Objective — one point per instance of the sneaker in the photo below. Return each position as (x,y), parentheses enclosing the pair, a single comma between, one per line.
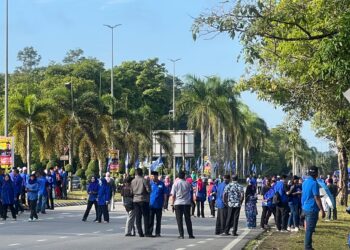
(289,228)
(30,219)
(36,219)
(225,234)
(278,230)
(284,231)
(296,229)
(14,219)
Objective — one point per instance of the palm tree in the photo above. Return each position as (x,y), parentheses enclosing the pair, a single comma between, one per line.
(28,114)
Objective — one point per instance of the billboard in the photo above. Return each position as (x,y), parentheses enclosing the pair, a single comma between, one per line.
(7,158)
(183,143)
(113,160)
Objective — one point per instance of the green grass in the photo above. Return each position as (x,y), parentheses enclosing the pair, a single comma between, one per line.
(82,195)
(328,235)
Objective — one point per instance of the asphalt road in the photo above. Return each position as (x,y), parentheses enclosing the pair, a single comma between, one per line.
(62,228)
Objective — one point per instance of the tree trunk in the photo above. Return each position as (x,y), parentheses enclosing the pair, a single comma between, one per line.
(100,167)
(343,167)
(236,149)
(293,162)
(28,149)
(243,162)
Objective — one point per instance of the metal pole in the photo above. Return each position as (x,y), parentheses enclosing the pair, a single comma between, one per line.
(6,67)
(174,61)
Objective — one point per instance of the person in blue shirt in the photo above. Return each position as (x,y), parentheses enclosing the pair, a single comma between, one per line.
(201,196)
(64,177)
(8,197)
(51,179)
(103,197)
(17,182)
(311,204)
(1,181)
(42,193)
(267,206)
(25,178)
(220,205)
(293,203)
(92,200)
(282,207)
(32,188)
(157,198)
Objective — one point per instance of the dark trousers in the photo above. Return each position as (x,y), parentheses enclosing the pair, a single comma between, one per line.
(193,207)
(180,211)
(102,209)
(18,205)
(212,207)
(142,210)
(221,220)
(88,208)
(64,191)
(157,212)
(23,195)
(200,208)
(32,206)
(232,219)
(5,207)
(282,216)
(49,201)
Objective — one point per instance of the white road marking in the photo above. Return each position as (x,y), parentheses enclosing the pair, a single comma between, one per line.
(109,230)
(180,248)
(2,223)
(50,218)
(122,228)
(15,244)
(191,245)
(42,240)
(63,237)
(210,239)
(118,217)
(66,213)
(201,242)
(96,232)
(236,240)
(80,234)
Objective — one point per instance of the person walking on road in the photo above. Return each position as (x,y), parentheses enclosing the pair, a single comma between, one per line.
(311,204)
(8,197)
(92,199)
(181,201)
(157,198)
(103,197)
(126,193)
(235,196)
(222,208)
(141,189)
(43,193)
(211,193)
(201,195)
(32,188)
(17,184)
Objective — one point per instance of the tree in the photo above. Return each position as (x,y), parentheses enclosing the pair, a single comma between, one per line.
(29,58)
(301,57)
(74,56)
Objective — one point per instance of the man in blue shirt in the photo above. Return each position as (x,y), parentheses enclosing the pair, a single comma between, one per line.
(157,198)
(222,208)
(311,204)
(282,206)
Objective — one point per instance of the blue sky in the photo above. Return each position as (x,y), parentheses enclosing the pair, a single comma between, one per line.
(150,28)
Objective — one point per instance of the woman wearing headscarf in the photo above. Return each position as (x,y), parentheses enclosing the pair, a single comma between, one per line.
(32,188)
(211,193)
(8,197)
(167,184)
(103,197)
(201,195)
(92,199)
(250,205)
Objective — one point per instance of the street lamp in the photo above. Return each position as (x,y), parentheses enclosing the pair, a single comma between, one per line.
(112,29)
(6,66)
(69,85)
(174,61)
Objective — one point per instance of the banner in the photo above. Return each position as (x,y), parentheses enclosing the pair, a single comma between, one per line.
(113,160)
(7,146)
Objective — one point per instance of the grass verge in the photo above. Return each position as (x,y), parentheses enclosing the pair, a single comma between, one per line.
(328,235)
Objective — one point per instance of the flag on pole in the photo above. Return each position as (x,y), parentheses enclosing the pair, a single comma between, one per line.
(126,162)
(187,166)
(233,166)
(177,166)
(156,164)
(137,163)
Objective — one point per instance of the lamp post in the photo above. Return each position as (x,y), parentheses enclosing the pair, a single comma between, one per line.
(69,85)
(6,67)
(112,29)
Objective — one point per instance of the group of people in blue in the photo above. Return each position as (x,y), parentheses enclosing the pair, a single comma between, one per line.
(18,190)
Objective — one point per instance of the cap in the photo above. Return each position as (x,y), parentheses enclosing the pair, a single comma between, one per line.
(313,170)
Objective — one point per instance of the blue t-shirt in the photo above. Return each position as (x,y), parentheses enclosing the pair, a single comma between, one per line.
(280,187)
(219,195)
(42,181)
(157,194)
(310,189)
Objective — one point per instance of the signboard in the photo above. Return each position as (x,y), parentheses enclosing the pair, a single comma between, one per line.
(7,152)
(183,143)
(113,160)
(207,168)
(64,157)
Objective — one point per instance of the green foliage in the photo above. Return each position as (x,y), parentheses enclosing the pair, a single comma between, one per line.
(68,168)
(51,164)
(92,168)
(81,173)
(29,58)
(83,183)
(37,167)
(132,172)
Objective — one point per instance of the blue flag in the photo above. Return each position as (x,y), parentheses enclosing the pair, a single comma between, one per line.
(177,166)
(126,162)
(187,166)
(137,163)
(155,165)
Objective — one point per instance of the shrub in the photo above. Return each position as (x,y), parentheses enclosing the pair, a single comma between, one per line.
(80,173)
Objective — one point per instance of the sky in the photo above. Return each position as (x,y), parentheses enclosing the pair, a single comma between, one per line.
(149,29)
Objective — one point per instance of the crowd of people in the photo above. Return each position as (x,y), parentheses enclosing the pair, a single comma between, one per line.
(294,202)
(36,191)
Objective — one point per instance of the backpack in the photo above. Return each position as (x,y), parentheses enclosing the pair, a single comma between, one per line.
(276,200)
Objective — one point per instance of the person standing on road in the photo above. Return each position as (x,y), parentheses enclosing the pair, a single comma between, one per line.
(250,205)
(43,192)
(92,199)
(17,184)
(282,206)
(211,193)
(157,198)
(311,204)
(25,178)
(32,189)
(222,208)
(140,189)
(181,202)
(168,186)
(103,197)
(259,183)
(201,195)
(8,197)
(235,196)
(51,180)
(127,196)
